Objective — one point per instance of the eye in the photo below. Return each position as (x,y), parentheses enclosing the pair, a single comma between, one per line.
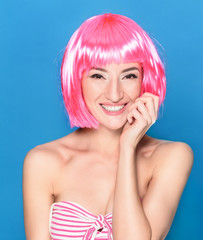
(97,76)
(130,76)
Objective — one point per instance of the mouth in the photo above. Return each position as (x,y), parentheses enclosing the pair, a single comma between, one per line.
(113,108)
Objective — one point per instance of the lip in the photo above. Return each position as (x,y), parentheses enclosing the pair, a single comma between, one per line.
(114,113)
(113,104)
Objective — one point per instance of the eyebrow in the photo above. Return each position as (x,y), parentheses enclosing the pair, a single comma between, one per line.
(125,70)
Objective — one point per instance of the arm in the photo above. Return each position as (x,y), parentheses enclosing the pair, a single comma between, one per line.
(170,176)
(152,219)
(37,194)
(129,220)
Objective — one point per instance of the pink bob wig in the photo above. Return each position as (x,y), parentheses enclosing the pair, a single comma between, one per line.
(99,41)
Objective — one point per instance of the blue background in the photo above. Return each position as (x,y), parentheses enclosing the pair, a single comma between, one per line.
(33,36)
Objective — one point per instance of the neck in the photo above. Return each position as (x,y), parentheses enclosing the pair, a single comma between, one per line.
(106,141)
(103,139)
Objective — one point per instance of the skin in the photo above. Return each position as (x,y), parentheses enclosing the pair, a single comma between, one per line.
(117,164)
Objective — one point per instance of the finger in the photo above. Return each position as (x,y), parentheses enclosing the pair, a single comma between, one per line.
(144,111)
(150,106)
(134,114)
(156,100)
(155,97)
(157,103)
(141,108)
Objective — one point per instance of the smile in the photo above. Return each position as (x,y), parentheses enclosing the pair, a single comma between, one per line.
(112,108)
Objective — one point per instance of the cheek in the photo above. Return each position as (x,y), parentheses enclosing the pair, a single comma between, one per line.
(91,88)
(84,90)
(133,89)
(89,92)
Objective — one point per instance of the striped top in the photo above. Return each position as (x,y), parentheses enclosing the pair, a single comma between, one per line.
(69,220)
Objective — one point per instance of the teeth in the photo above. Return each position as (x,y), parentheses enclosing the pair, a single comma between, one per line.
(113,109)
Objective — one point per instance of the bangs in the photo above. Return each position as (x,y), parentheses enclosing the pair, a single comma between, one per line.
(110,41)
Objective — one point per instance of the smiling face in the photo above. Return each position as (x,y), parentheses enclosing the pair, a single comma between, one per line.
(110,90)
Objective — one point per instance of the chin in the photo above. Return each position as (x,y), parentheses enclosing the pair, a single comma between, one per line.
(112,122)
(113,125)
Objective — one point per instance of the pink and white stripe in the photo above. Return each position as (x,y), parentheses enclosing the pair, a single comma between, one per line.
(69,220)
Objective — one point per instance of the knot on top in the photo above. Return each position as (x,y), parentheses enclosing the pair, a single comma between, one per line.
(99,224)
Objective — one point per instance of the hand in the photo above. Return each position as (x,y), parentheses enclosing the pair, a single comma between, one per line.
(142,114)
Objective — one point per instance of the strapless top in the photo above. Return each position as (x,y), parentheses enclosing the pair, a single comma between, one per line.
(69,220)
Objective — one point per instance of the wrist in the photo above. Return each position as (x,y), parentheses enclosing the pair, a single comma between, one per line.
(127,154)
(127,145)
(124,147)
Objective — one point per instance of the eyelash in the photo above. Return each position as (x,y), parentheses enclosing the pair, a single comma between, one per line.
(134,76)
(98,76)
(93,76)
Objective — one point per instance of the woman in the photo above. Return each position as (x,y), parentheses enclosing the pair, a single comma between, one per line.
(107,179)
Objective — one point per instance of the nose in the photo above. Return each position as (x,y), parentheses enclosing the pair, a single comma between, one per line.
(114,91)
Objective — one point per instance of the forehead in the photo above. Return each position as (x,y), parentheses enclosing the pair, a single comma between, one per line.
(121,66)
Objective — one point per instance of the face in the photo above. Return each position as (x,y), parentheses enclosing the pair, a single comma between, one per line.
(110,90)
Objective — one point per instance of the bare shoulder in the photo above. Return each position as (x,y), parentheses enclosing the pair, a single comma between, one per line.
(47,158)
(42,155)
(165,154)
(172,154)
(171,165)
(41,166)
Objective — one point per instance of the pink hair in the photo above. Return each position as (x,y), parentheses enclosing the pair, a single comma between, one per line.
(101,40)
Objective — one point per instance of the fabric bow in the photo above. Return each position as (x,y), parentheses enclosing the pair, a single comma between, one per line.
(99,224)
